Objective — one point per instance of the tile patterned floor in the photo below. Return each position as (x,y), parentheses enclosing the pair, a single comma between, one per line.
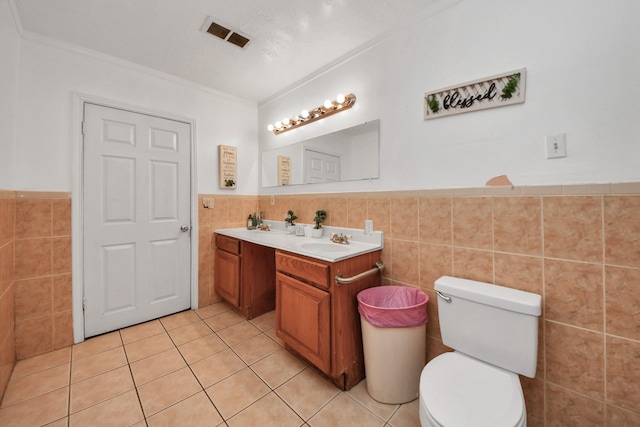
(205,367)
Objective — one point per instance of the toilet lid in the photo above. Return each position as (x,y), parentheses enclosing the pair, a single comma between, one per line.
(460,391)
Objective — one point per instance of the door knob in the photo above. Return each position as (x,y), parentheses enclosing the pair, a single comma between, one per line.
(184,228)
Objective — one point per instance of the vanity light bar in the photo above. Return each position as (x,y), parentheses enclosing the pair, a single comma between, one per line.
(329,108)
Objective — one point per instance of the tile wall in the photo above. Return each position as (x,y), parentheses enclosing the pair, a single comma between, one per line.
(577,246)
(42,273)
(7,288)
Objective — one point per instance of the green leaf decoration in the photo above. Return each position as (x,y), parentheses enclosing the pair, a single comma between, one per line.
(511,86)
(433,104)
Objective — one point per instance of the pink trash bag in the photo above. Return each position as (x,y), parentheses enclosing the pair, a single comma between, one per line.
(393,306)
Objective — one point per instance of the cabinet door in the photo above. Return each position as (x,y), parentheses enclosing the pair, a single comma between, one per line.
(227,276)
(303,320)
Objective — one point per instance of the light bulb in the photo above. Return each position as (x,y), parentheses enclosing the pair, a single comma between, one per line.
(328,104)
(305,114)
(340,99)
(286,121)
(270,128)
(278,125)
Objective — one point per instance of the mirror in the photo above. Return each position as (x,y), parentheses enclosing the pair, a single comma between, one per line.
(346,155)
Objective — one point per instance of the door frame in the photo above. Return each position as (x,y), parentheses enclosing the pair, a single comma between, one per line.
(77,235)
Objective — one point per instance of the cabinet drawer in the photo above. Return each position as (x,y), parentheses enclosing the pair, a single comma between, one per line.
(228,244)
(314,272)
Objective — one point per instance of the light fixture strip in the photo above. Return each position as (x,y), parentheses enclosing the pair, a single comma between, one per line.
(329,108)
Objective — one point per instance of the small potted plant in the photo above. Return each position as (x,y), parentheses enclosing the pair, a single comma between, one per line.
(321,215)
(289,221)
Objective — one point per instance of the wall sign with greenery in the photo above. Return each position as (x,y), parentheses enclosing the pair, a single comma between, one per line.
(490,92)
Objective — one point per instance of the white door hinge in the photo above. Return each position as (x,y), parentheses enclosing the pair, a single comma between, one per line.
(84,303)
(83,122)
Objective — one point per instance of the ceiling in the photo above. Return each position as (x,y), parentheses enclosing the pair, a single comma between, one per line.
(290,40)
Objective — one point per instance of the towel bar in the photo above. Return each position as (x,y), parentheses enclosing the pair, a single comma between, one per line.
(346,280)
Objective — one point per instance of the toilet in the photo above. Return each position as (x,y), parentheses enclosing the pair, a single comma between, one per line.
(493,331)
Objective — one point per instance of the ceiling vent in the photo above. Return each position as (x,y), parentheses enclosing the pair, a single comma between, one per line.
(224,33)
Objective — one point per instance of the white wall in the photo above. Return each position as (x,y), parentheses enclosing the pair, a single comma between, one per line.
(10,54)
(50,75)
(583,79)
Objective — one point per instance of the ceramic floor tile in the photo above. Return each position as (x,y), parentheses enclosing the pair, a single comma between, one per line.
(168,390)
(148,347)
(256,348)
(273,336)
(38,411)
(40,363)
(202,347)
(238,333)
(62,422)
(141,331)
(123,410)
(343,411)
(224,320)
(96,345)
(266,321)
(97,364)
(212,310)
(100,388)
(237,392)
(278,368)
(359,392)
(179,319)
(267,412)
(37,384)
(156,366)
(307,393)
(197,409)
(217,367)
(192,331)
(407,415)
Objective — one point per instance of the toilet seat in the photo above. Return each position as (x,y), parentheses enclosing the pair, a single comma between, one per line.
(459,391)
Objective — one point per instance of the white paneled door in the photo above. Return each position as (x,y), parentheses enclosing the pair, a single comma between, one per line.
(136,218)
(321,167)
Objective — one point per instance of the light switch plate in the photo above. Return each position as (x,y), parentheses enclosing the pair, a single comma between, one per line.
(368,226)
(556,146)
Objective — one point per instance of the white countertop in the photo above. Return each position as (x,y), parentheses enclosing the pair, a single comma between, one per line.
(320,248)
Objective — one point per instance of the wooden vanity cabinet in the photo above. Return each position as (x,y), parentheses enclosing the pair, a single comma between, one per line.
(319,320)
(244,275)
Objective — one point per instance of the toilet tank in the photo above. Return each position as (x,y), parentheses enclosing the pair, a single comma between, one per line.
(492,323)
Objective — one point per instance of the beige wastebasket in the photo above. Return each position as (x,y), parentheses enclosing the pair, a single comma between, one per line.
(394,354)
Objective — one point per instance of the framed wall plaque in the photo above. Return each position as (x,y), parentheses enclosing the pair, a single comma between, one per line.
(228,165)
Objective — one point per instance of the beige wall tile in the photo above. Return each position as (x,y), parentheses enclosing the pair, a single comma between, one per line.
(61,217)
(573,228)
(435,261)
(575,359)
(357,212)
(473,264)
(380,211)
(622,230)
(566,408)
(339,212)
(61,255)
(519,272)
(34,336)
(405,260)
(622,299)
(617,417)
(34,297)
(534,400)
(472,218)
(32,258)
(435,220)
(623,373)
(62,292)
(517,225)
(34,218)
(573,293)
(405,219)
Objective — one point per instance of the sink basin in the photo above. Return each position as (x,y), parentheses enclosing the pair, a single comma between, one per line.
(324,247)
